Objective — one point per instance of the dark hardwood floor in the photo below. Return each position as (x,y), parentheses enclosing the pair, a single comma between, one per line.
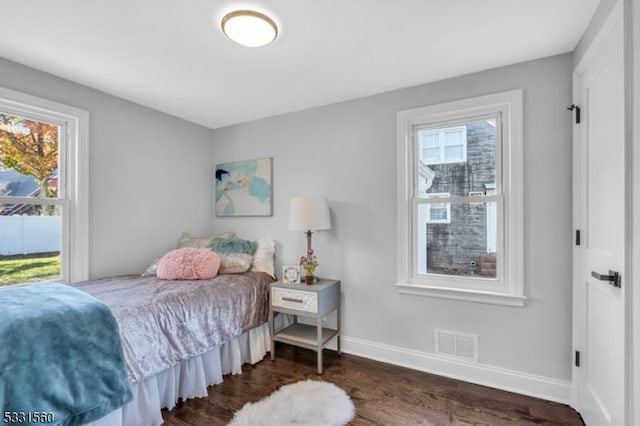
(383,394)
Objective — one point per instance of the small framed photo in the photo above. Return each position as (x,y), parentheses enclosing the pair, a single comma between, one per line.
(291,274)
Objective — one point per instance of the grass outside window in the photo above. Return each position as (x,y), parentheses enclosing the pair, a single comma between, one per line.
(27,269)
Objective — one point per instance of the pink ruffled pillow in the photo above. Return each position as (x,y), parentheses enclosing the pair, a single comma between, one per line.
(188,264)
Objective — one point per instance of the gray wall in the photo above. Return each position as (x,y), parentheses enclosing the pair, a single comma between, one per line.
(347,152)
(150,173)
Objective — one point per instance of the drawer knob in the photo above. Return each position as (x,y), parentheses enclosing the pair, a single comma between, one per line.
(289,299)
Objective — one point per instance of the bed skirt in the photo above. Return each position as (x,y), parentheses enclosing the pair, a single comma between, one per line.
(189,379)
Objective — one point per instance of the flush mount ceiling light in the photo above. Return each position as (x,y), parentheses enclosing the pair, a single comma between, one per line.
(249,28)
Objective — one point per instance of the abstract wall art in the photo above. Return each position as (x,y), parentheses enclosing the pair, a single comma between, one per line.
(244,188)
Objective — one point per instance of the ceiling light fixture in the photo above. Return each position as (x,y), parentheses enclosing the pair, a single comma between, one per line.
(249,28)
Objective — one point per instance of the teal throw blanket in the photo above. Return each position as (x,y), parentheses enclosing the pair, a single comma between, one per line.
(60,353)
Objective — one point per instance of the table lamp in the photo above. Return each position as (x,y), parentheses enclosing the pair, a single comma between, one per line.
(309,214)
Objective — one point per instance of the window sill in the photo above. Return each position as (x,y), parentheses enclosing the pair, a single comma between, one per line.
(466,295)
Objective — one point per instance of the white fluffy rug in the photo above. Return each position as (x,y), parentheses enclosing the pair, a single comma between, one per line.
(308,402)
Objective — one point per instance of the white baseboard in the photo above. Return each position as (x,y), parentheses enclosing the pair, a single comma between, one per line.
(481,374)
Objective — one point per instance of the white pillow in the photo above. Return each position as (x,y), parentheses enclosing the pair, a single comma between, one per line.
(152,269)
(187,240)
(235,263)
(263,257)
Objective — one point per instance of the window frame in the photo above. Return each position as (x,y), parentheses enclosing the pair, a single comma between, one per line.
(508,287)
(73,192)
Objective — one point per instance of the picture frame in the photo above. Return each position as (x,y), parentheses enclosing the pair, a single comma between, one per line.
(291,274)
(244,188)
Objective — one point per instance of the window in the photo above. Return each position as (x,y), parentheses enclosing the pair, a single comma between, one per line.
(442,146)
(460,200)
(43,190)
(438,212)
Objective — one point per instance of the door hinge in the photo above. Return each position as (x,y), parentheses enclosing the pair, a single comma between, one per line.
(577,359)
(577,237)
(577,108)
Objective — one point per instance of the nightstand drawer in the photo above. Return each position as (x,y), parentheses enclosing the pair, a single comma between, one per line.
(306,301)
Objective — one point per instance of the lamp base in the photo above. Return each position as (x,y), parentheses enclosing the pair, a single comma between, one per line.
(309,233)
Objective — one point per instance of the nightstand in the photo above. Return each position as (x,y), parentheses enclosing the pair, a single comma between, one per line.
(312,301)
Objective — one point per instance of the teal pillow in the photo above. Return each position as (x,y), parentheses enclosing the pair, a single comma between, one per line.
(233,245)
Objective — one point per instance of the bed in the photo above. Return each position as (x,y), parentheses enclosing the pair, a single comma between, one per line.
(137,344)
(179,337)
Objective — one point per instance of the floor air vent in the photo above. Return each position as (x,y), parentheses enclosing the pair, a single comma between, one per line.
(459,345)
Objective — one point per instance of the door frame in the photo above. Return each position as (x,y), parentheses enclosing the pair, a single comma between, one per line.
(616,17)
(632,69)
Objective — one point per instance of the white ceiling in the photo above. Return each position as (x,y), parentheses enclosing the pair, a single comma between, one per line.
(172,56)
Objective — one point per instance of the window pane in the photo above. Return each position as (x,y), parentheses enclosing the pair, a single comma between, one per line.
(454,154)
(474,172)
(463,247)
(28,157)
(438,212)
(429,139)
(430,155)
(29,243)
(454,137)
(429,144)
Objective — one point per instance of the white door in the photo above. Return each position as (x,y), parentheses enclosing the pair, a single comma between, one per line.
(599,213)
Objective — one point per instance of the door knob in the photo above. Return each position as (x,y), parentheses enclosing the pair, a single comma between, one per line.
(614,278)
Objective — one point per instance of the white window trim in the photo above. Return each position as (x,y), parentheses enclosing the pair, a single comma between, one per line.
(442,145)
(75,241)
(509,290)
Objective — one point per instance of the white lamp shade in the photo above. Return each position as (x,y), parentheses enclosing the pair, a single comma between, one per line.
(309,214)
